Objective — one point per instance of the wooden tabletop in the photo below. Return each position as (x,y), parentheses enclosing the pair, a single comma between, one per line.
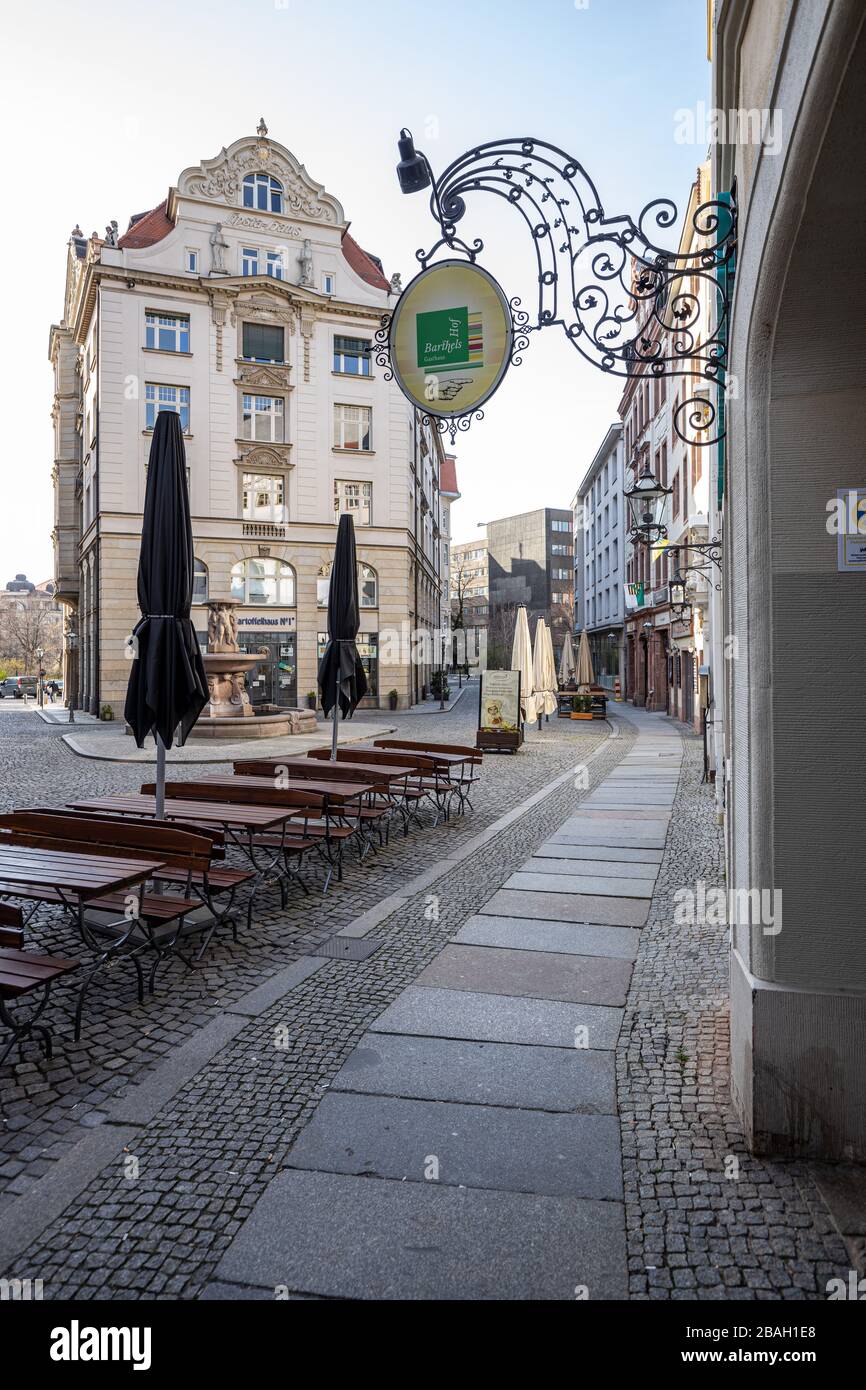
(265,791)
(241,816)
(84,875)
(425,750)
(339,771)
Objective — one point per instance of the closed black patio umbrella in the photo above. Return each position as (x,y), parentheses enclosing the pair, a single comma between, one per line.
(167,687)
(342,680)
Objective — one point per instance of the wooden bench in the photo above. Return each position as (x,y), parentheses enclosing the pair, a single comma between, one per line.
(127,922)
(448,756)
(22,972)
(318,813)
(422,783)
(216,880)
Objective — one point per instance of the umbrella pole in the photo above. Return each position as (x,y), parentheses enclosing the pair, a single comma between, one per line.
(334,723)
(160,778)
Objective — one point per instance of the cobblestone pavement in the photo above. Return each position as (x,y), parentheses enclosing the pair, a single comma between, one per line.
(156,1220)
(704,1219)
(46,1106)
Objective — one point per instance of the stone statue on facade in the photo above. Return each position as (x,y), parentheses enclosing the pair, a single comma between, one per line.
(219,246)
(306,262)
(396,285)
(111,234)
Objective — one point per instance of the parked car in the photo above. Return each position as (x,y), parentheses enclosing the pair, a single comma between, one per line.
(16,687)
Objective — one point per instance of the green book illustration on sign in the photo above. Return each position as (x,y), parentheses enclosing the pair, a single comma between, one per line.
(449,340)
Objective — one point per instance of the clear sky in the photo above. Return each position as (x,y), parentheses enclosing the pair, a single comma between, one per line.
(107,102)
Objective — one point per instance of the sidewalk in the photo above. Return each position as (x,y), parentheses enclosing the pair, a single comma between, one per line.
(432,706)
(483,1101)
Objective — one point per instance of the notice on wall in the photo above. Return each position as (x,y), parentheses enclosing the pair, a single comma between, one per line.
(851,526)
(500,702)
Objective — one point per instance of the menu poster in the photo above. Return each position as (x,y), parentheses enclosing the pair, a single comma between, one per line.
(499,711)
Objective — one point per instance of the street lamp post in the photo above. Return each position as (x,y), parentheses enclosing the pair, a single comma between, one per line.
(40,656)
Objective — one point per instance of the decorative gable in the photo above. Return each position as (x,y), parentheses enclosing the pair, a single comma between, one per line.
(221,180)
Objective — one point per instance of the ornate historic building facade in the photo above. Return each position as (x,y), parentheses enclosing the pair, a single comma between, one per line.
(242,303)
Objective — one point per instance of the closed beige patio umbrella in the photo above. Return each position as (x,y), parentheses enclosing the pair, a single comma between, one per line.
(566,660)
(542,673)
(549,669)
(521,660)
(585,673)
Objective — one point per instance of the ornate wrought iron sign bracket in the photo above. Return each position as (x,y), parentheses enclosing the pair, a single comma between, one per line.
(625,303)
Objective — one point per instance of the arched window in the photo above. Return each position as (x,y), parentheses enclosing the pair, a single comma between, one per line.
(264,192)
(323,584)
(199,581)
(264,582)
(368,587)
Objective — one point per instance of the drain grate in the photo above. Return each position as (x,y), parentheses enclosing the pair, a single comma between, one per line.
(346,947)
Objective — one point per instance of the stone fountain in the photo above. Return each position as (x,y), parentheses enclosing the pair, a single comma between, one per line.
(229,713)
(225,664)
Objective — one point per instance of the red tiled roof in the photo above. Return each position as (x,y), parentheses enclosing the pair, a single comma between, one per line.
(448,476)
(150,227)
(363,264)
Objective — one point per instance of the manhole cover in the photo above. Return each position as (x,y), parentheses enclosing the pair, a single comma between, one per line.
(346,947)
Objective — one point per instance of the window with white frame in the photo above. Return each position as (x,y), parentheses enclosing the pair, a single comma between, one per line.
(199,581)
(274,265)
(352,356)
(356,499)
(264,497)
(249,261)
(329,282)
(191,260)
(264,192)
(263,582)
(159,397)
(556,525)
(353,427)
(166,332)
(262,418)
(368,587)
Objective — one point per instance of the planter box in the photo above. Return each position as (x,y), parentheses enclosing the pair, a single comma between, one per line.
(582,716)
(498,742)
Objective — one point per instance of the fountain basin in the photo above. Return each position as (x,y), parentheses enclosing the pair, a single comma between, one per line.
(267,722)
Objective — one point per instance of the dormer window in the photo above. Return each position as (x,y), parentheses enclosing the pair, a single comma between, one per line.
(263,192)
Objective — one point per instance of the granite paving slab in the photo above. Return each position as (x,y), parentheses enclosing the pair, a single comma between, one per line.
(608,854)
(655,818)
(630,800)
(581,883)
(568,907)
(532,974)
(593,868)
(613,837)
(457,1013)
(568,937)
(481,1073)
(354,1237)
(472,1145)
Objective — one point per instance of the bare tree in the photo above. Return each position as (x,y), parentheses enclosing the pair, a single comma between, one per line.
(24,631)
(500,635)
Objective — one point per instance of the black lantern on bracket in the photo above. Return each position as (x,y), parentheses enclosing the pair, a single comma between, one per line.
(677,591)
(646,507)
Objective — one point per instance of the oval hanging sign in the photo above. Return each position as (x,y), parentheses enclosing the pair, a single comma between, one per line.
(450,338)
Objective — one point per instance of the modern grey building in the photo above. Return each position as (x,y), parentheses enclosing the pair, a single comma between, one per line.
(599,558)
(530,563)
